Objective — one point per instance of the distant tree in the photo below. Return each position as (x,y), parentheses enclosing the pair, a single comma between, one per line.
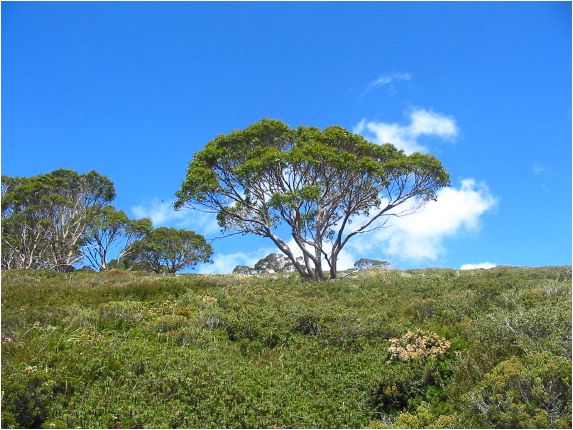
(128,263)
(44,217)
(367,263)
(316,182)
(111,228)
(274,263)
(244,270)
(24,231)
(168,250)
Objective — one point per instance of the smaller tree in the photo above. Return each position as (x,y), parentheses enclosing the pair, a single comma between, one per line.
(244,270)
(110,228)
(274,263)
(168,250)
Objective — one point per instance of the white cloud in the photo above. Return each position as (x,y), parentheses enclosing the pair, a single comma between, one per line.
(420,235)
(162,213)
(388,79)
(405,137)
(484,265)
(424,122)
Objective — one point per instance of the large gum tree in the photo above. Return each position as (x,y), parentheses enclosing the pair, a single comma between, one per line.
(326,186)
(44,217)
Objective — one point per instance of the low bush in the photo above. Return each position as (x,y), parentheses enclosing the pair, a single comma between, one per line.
(166,323)
(119,315)
(487,348)
(27,394)
(529,392)
(542,326)
(405,384)
(418,345)
(425,417)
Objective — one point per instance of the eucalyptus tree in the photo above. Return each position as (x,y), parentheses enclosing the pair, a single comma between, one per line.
(167,250)
(325,186)
(44,217)
(24,228)
(274,263)
(111,228)
(368,263)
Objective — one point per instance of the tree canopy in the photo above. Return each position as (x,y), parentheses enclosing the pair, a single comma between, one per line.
(44,217)
(274,263)
(369,263)
(108,228)
(324,186)
(168,250)
(55,220)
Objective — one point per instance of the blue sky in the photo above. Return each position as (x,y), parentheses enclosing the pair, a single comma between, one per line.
(132,90)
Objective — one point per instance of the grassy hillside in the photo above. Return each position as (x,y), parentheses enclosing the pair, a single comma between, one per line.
(122,349)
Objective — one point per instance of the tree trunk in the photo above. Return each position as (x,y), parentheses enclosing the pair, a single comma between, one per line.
(333,261)
(318,275)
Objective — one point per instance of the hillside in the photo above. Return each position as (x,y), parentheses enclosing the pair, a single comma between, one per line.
(122,349)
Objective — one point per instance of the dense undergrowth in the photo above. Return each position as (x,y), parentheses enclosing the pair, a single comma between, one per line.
(123,349)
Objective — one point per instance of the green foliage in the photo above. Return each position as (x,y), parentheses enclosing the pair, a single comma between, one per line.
(167,323)
(119,315)
(317,182)
(368,263)
(129,349)
(168,250)
(528,328)
(44,217)
(109,227)
(27,396)
(404,385)
(529,392)
(424,417)
(273,263)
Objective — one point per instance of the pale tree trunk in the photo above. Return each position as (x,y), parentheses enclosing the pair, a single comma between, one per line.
(333,269)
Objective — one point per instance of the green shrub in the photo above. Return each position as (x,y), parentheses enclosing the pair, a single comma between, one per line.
(308,325)
(166,323)
(542,327)
(405,384)
(533,391)
(422,309)
(260,325)
(119,315)
(26,398)
(80,317)
(189,351)
(425,417)
(189,335)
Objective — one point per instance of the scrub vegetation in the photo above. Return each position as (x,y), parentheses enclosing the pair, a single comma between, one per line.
(375,348)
